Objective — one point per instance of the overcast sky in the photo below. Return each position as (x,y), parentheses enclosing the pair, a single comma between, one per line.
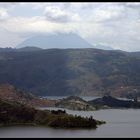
(113,24)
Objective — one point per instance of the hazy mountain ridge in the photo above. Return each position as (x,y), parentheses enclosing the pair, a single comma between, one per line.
(60,40)
(26,48)
(71,71)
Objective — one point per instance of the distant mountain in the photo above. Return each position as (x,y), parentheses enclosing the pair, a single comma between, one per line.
(25,49)
(103,47)
(7,49)
(60,40)
(29,48)
(82,72)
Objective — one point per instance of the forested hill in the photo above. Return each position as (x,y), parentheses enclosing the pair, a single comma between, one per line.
(72,71)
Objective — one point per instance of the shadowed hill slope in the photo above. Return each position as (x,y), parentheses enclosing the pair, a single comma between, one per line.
(72,72)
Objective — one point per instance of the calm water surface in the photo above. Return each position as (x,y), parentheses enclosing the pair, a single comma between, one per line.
(120,123)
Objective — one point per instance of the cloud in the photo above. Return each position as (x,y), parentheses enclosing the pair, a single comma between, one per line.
(27,27)
(5,9)
(13,38)
(114,24)
(132,5)
(108,12)
(3,14)
(57,14)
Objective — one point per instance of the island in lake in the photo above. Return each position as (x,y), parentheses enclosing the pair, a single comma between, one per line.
(19,107)
(105,102)
(16,110)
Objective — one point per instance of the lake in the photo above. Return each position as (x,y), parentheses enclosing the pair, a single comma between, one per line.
(120,123)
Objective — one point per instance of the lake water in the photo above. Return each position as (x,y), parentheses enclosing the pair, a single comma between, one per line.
(123,123)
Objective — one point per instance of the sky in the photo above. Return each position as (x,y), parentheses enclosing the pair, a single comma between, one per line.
(112,24)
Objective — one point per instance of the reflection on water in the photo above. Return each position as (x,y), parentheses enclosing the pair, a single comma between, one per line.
(120,123)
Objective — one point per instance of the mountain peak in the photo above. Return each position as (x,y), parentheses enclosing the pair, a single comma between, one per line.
(58,40)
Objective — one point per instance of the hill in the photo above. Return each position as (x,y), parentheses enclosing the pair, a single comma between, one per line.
(28,48)
(109,101)
(68,72)
(13,113)
(23,49)
(74,103)
(12,94)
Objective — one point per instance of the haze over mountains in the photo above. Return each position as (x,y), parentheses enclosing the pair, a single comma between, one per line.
(78,70)
(59,40)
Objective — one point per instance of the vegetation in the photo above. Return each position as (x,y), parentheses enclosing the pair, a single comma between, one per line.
(75,103)
(15,113)
(11,93)
(71,71)
(111,102)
